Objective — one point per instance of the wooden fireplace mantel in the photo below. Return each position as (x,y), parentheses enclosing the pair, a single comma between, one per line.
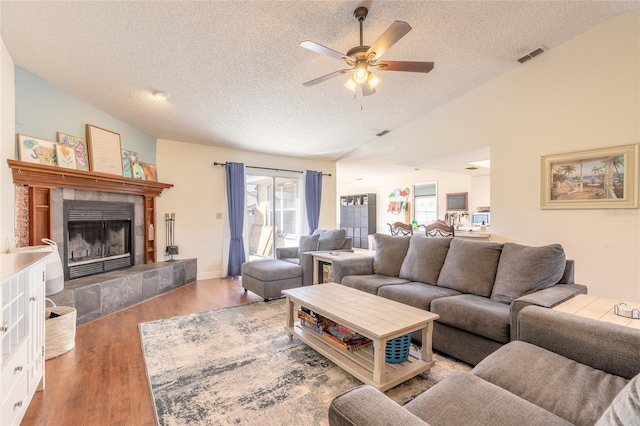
(41,179)
(57,177)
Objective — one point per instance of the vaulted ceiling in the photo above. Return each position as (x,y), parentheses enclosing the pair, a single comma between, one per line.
(234,69)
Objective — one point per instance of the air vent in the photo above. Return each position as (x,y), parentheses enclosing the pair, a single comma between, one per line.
(531,54)
(384,132)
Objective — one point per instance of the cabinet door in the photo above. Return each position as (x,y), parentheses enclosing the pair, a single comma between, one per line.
(35,323)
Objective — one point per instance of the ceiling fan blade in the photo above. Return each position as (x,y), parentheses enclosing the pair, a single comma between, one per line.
(325,77)
(404,66)
(395,32)
(366,90)
(318,48)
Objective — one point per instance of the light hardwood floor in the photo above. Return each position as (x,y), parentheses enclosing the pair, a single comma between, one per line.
(103,381)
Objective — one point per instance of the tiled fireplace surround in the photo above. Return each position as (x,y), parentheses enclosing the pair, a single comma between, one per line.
(98,295)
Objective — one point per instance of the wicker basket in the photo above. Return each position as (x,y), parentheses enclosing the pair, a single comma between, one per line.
(59,332)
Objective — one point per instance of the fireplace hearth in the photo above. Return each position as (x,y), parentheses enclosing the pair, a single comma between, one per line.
(98,237)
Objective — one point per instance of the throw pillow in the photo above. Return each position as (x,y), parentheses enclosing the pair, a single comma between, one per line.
(424,259)
(308,243)
(390,252)
(524,269)
(470,266)
(331,239)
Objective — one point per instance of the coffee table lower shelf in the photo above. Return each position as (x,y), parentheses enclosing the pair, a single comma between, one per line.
(360,363)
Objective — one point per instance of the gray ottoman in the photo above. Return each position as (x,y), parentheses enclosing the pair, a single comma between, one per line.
(267,278)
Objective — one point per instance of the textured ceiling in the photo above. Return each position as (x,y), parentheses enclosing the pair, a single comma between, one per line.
(234,70)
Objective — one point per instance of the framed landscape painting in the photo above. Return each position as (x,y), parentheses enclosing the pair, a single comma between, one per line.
(597,179)
(37,151)
(79,145)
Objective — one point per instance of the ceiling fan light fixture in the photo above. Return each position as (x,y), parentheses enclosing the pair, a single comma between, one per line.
(351,84)
(360,75)
(373,80)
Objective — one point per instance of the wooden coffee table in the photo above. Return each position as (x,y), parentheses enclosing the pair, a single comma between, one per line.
(375,317)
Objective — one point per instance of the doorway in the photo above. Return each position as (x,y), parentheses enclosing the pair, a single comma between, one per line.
(273,215)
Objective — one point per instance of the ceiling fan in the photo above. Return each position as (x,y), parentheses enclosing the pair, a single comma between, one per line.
(361,57)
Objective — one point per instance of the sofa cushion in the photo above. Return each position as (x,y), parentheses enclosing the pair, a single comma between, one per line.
(390,252)
(576,392)
(475,314)
(625,408)
(424,258)
(308,243)
(419,295)
(464,399)
(370,283)
(524,269)
(331,239)
(470,266)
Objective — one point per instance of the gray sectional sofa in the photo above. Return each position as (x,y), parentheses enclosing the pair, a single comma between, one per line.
(561,370)
(476,287)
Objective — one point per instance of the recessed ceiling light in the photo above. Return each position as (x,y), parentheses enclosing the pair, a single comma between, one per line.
(481,163)
(159,94)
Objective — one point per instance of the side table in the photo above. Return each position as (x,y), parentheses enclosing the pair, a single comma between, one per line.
(599,308)
(324,258)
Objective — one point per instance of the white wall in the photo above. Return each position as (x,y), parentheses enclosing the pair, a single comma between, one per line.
(199,193)
(584,94)
(479,192)
(7,147)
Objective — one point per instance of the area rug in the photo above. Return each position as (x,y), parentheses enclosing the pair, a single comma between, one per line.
(237,366)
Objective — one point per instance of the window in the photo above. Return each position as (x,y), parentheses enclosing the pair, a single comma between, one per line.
(425,203)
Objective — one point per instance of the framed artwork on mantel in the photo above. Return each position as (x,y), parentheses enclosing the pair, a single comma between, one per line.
(105,150)
(66,156)
(36,150)
(128,158)
(79,145)
(604,178)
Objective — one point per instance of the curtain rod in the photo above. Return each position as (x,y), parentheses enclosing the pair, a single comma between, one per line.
(269,168)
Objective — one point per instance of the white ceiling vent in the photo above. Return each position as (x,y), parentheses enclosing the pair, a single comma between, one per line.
(532,54)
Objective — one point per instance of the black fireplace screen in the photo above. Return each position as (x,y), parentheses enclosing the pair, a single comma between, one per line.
(98,237)
(95,240)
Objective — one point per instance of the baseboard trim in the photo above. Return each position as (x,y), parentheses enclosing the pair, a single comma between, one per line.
(208,275)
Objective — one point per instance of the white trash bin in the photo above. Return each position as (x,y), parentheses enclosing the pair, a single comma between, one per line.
(53,265)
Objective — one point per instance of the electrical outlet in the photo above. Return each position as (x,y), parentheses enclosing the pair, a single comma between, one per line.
(218,215)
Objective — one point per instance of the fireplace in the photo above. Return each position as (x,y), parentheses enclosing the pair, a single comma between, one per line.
(98,237)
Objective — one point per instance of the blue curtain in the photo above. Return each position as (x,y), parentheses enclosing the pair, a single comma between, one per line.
(235,200)
(313,197)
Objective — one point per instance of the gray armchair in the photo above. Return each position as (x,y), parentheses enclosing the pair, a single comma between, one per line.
(322,240)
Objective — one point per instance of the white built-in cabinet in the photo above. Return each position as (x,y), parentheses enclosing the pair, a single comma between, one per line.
(22,281)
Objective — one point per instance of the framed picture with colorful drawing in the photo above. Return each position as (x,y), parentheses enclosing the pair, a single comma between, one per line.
(79,145)
(66,156)
(128,158)
(604,178)
(37,151)
(150,172)
(145,171)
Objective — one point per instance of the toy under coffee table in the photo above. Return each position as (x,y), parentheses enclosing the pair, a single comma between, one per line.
(379,319)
